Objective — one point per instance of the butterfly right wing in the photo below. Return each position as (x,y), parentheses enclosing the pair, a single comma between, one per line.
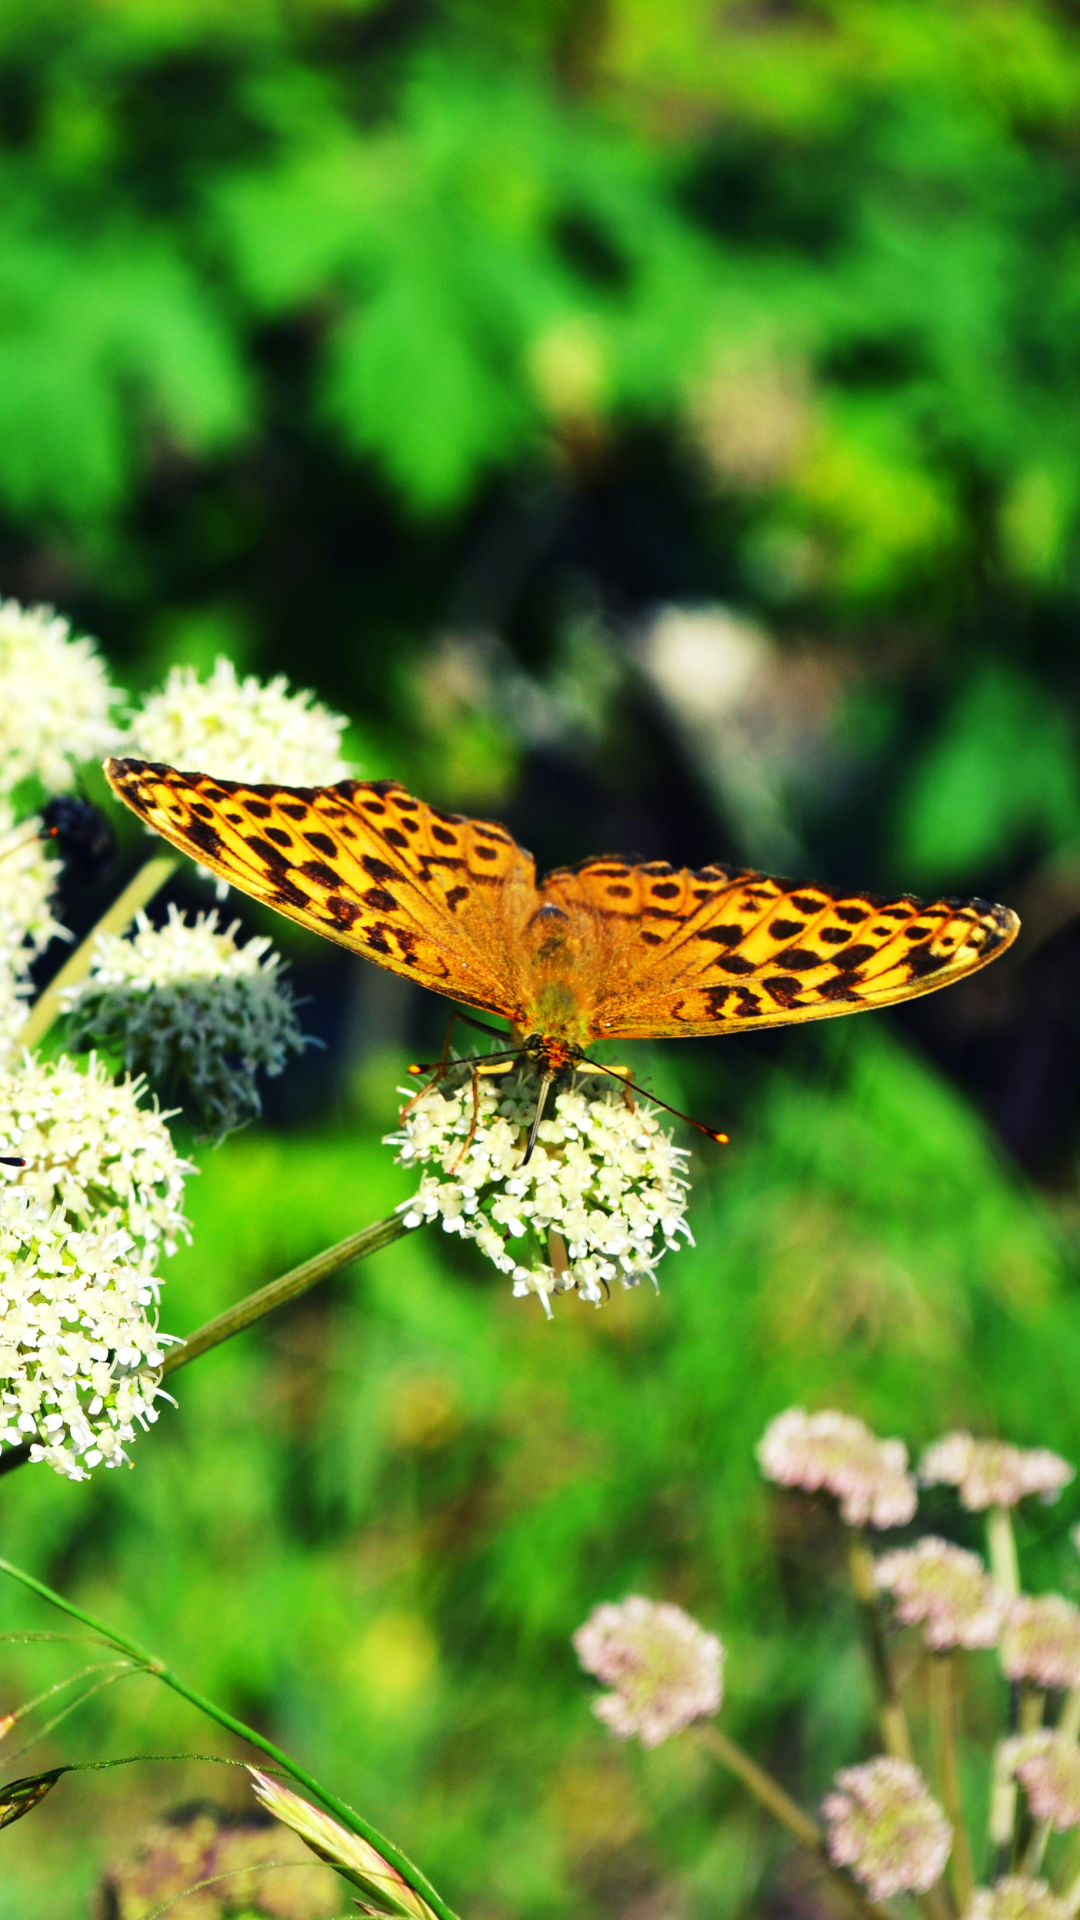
(724,949)
(430,895)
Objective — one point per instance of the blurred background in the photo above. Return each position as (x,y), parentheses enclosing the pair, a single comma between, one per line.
(657,427)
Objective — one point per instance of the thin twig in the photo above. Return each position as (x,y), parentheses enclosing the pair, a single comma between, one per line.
(347,1815)
(149,880)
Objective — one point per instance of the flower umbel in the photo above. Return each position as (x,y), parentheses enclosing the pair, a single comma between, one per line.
(1041,1641)
(602,1199)
(191,1009)
(947,1589)
(990,1473)
(886,1827)
(94,1151)
(665,1669)
(79,1358)
(836,1453)
(354,1858)
(1016,1898)
(1048,1765)
(240,729)
(54,699)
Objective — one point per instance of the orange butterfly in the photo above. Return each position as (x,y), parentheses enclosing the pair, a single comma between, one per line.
(603,950)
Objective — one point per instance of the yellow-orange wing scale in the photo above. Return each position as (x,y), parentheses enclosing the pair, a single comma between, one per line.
(426,894)
(720,949)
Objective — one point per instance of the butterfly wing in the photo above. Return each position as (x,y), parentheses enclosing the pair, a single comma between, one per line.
(427,894)
(723,949)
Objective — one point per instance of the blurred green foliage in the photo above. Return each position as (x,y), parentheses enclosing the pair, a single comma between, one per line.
(422,353)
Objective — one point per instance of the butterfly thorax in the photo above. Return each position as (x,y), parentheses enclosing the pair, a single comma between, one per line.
(554,1005)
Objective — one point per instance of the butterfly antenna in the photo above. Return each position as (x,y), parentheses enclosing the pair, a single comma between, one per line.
(710,1133)
(546,1085)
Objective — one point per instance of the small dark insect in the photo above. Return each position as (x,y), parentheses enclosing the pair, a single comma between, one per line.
(6,1160)
(82,833)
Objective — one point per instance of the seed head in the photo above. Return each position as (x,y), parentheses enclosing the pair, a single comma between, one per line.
(1041,1641)
(946,1588)
(885,1825)
(836,1453)
(240,729)
(990,1473)
(602,1199)
(354,1858)
(198,1014)
(665,1670)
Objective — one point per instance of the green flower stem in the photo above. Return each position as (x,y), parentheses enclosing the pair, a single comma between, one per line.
(1001,1551)
(943,1676)
(893,1720)
(149,880)
(353,1821)
(770,1794)
(288,1286)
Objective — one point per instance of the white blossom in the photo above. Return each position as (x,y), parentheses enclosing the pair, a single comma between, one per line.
(54,699)
(28,876)
(838,1453)
(665,1670)
(947,1589)
(1015,1897)
(239,729)
(1041,1641)
(193,1010)
(80,1358)
(602,1199)
(1048,1764)
(92,1150)
(886,1827)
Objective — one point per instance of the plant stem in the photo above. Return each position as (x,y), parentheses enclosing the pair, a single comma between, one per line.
(288,1286)
(894,1727)
(148,881)
(943,1713)
(783,1808)
(1001,1551)
(348,1818)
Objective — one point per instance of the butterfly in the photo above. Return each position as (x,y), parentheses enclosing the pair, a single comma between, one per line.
(608,949)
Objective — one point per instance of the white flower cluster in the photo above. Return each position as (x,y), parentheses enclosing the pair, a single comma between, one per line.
(665,1670)
(991,1473)
(239,729)
(885,1825)
(79,1357)
(837,1453)
(93,1151)
(191,1009)
(1016,1898)
(28,875)
(602,1199)
(54,699)
(945,1588)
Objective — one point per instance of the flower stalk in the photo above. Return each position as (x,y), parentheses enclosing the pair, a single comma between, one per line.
(149,880)
(893,1720)
(943,1687)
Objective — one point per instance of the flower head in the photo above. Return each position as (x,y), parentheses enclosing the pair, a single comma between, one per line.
(665,1669)
(1041,1641)
(1016,1898)
(239,729)
(885,1825)
(54,699)
(259,1871)
(836,1452)
(1048,1765)
(353,1857)
(80,1360)
(602,1198)
(946,1588)
(191,1009)
(990,1473)
(28,876)
(93,1150)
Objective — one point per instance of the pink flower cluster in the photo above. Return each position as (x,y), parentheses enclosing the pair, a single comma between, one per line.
(990,1473)
(1048,1764)
(947,1589)
(664,1668)
(835,1453)
(1016,1898)
(1041,1641)
(885,1825)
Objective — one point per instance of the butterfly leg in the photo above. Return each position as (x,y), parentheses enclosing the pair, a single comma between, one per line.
(484,1066)
(620,1073)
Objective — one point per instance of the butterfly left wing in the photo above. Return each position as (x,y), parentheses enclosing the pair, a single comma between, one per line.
(426,894)
(721,949)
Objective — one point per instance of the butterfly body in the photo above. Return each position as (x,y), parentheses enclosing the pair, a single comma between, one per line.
(609,949)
